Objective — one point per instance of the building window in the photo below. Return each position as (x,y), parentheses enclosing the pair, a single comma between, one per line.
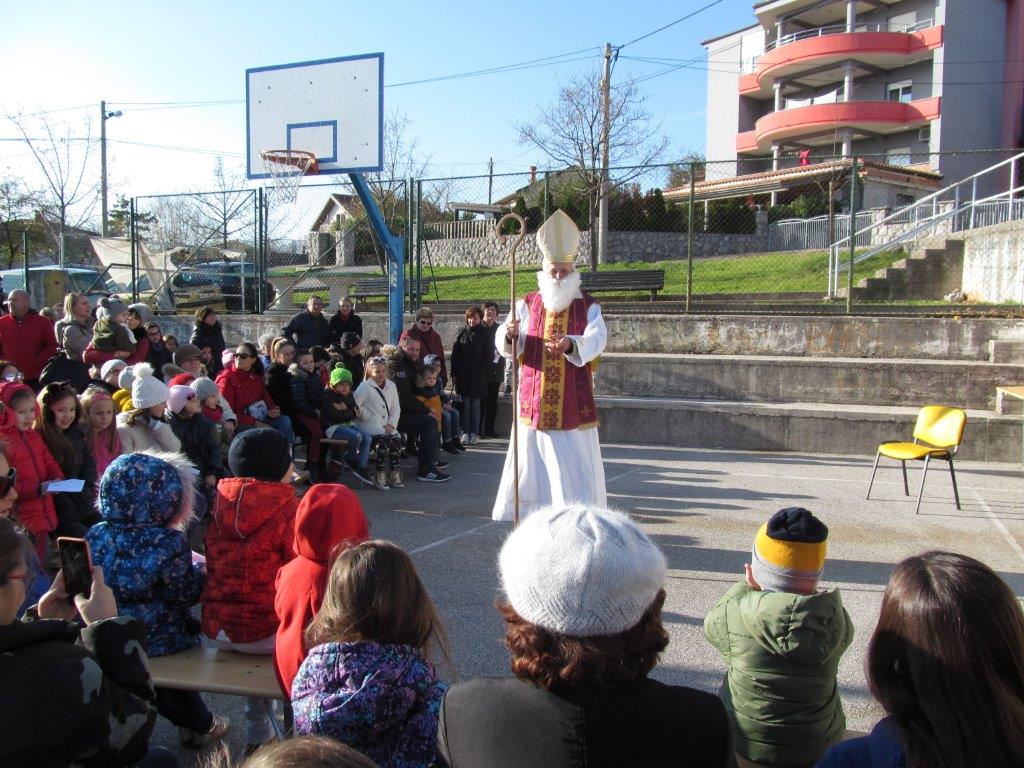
(899,91)
(898,156)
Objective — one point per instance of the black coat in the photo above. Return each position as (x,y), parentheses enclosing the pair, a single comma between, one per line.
(514,724)
(214,336)
(307,392)
(402,371)
(158,358)
(46,718)
(470,361)
(338,326)
(495,368)
(279,385)
(356,366)
(76,512)
(308,330)
(200,441)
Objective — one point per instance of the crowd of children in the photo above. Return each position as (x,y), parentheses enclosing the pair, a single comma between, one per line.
(188,499)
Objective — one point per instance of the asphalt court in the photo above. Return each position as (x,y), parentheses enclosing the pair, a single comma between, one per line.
(702,507)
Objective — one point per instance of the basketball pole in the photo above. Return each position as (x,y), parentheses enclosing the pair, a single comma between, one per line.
(515,350)
(395,249)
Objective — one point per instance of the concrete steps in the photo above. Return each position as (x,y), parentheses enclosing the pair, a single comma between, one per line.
(803,427)
(845,381)
(927,273)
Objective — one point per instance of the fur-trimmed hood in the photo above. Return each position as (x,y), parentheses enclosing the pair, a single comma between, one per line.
(148,488)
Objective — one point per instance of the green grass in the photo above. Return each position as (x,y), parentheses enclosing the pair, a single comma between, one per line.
(782,272)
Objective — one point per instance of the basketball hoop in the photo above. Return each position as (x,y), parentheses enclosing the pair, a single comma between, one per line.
(287,167)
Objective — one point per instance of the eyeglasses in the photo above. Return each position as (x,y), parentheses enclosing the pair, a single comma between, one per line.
(7,482)
(243,356)
(376,360)
(427,323)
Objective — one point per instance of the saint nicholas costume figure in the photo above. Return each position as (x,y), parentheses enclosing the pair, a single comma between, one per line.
(555,335)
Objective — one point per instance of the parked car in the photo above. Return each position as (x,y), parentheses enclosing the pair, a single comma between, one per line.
(231,275)
(47,285)
(186,290)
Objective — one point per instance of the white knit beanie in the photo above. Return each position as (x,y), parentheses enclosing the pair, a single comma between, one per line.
(147,390)
(581,571)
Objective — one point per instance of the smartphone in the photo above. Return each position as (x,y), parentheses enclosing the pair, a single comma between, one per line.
(76,564)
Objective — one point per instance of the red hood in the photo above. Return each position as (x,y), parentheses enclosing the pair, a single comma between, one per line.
(328,515)
(7,392)
(244,505)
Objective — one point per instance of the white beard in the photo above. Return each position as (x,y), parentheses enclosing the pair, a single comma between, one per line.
(557,295)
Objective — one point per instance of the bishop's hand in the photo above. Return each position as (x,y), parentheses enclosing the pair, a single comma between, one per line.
(512,329)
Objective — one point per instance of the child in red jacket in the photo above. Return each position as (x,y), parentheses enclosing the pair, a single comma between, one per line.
(248,540)
(31,460)
(330,519)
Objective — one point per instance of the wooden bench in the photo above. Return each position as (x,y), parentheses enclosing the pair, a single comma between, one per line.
(378,286)
(1008,400)
(652,280)
(208,670)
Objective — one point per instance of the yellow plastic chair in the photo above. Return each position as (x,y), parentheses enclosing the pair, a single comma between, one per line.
(939,430)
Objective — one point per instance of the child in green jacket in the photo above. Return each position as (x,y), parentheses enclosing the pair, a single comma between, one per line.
(782,639)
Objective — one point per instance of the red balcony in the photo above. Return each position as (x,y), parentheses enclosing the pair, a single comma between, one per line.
(886,50)
(819,124)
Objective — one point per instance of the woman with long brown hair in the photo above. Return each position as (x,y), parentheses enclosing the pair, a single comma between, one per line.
(60,422)
(946,662)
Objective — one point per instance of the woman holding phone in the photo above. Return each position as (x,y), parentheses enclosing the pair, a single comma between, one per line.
(47,717)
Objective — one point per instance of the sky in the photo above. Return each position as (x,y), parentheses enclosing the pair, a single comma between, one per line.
(146,58)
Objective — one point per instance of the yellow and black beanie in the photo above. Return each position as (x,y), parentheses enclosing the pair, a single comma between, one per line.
(789,552)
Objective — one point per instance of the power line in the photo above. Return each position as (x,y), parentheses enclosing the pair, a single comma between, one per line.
(530,64)
(671,24)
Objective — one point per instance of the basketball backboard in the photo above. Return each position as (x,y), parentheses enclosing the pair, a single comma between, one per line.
(332,108)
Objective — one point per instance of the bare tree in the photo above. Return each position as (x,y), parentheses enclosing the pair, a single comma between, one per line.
(402,160)
(569,131)
(223,213)
(69,197)
(17,206)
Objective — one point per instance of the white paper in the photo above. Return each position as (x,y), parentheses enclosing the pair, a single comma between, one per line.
(65,486)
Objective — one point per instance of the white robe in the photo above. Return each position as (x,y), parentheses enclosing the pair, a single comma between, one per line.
(555,466)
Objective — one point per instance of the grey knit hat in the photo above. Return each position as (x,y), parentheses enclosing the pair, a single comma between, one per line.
(581,571)
(147,390)
(143,311)
(204,387)
(116,364)
(109,307)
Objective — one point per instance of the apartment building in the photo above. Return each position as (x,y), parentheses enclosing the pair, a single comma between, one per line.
(899,80)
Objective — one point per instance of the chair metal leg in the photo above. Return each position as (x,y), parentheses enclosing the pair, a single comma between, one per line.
(924,475)
(873,470)
(906,488)
(952,476)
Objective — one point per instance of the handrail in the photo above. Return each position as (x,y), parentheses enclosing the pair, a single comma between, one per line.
(840,29)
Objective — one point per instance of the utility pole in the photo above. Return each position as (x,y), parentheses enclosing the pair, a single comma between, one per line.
(606,108)
(104,115)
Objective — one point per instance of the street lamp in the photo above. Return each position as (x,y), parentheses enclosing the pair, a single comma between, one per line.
(104,116)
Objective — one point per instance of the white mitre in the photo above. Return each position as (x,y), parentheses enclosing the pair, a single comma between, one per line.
(558,238)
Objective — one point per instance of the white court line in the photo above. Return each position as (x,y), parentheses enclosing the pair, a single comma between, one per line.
(999,524)
(453,537)
(619,477)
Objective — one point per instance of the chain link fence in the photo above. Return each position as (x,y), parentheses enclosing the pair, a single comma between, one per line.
(797,233)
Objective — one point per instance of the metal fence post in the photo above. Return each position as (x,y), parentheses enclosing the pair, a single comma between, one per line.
(689,241)
(547,194)
(853,233)
(24,253)
(419,244)
(135,256)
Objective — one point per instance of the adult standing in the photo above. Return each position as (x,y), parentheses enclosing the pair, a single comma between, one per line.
(26,337)
(429,340)
(345,320)
(495,371)
(206,328)
(74,330)
(584,590)
(309,328)
(470,355)
(556,332)
(416,418)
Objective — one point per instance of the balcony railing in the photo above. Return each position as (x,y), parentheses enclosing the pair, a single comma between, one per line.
(840,29)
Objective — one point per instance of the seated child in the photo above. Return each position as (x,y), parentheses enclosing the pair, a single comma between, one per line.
(123,395)
(145,500)
(171,343)
(372,349)
(144,425)
(199,440)
(306,393)
(782,639)
(210,406)
(338,411)
(110,333)
(322,364)
(109,373)
(367,680)
(101,436)
(379,409)
(249,539)
(9,371)
(32,462)
(329,519)
(451,420)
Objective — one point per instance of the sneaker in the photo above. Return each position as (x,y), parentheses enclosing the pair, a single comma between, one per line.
(196,740)
(449,447)
(507,390)
(363,473)
(460,444)
(472,440)
(395,479)
(433,476)
(380,480)
(300,478)
(440,465)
